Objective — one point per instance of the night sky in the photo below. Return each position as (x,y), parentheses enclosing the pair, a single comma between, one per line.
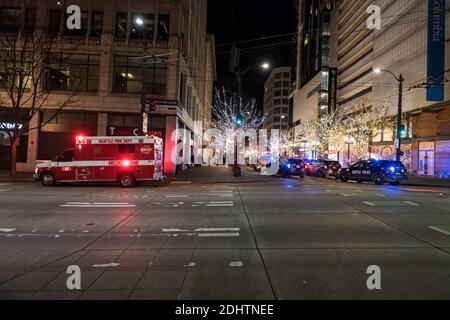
(252,19)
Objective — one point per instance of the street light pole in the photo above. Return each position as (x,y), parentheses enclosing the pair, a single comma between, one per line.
(399,117)
(141,23)
(237,168)
(400,79)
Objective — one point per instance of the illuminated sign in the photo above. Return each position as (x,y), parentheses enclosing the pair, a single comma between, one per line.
(10,126)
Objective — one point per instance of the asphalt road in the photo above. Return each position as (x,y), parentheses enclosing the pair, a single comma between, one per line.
(283,239)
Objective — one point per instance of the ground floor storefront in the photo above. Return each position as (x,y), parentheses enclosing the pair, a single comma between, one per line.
(427,151)
(53,133)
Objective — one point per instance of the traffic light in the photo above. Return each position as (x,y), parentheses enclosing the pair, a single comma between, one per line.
(403,130)
(239,121)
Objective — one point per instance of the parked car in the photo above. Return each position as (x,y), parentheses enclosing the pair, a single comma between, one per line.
(292,167)
(328,168)
(311,167)
(378,171)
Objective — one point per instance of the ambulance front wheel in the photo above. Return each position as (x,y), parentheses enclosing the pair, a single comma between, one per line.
(48,179)
(127,180)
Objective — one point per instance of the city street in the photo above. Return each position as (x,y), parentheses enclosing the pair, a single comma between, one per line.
(196,239)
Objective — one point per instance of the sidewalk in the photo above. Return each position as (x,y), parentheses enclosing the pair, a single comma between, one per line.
(20,177)
(218,174)
(414,180)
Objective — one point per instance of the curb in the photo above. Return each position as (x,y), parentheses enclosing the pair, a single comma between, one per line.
(425,185)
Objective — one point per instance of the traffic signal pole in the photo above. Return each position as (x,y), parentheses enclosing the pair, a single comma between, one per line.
(399,117)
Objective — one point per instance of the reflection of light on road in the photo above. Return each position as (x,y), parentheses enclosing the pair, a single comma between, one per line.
(422,190)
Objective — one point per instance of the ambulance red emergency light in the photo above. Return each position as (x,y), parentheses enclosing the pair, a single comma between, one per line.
(127,160)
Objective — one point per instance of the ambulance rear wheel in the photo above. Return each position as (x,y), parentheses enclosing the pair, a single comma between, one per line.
(127,180)
(48,179)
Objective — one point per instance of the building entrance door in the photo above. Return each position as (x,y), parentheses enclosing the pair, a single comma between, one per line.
(426,163)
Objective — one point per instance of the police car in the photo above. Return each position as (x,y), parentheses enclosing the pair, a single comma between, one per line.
(292,167)
(378,171)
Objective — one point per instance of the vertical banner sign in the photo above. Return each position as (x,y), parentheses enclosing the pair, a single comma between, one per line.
(332,89)
(436,50)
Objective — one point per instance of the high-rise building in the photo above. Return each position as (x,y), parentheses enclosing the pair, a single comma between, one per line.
(106,73)
(276,99)
(311,95)
(411,43)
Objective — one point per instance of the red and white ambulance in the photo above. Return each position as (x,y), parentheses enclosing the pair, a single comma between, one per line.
(127,160)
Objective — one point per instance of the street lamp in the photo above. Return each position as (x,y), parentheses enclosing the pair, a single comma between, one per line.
(348,141)
(400,81)
(265,65)
(140,22)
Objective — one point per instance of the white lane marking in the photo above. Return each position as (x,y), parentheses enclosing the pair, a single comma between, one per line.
(7,230)
(21,235)
(369,203)
(345,194)
(217,230)
(412,203)
(62,230)
(178,196)
(97,205)
(221,205)
(440,230)
(108,265)
(191,265)
(381,195)
(223,234)
(235,264)
(173,230)
(3,190)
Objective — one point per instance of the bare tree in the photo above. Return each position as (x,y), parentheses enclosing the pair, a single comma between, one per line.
(362,123)
(23,92)
(232,112)
(308,135)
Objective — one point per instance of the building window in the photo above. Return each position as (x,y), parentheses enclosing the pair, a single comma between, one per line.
(128,76)
(146,30)
(278,76)
(277,93)
(84,25)
(15,67)
(30,20)
(163,27)
(73,72)
(97,24)
(54,23)
(10,19)
(121,25)
(183,89)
